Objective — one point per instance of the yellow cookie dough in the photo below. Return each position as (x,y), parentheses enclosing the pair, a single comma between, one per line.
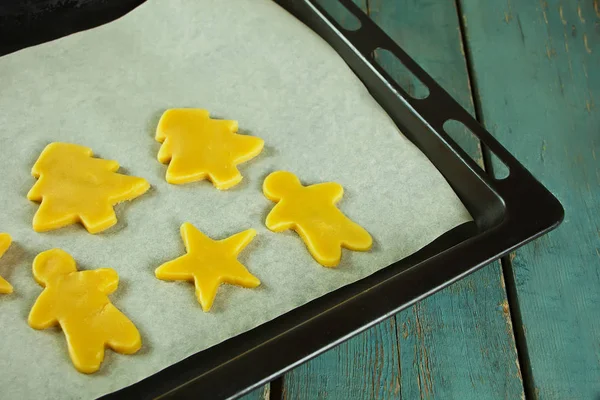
(311,211)
(78,302)
(197,147)
(208,263)
(5,241)
(74,187)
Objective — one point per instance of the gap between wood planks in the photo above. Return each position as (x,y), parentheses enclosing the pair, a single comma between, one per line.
(514,310)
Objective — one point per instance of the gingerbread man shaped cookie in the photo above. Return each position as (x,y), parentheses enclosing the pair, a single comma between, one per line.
(78,302)
(312,212)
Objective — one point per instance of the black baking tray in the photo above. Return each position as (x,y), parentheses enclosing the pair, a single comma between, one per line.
(507,212)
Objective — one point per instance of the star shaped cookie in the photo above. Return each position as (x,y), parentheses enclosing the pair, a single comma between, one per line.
(208,263)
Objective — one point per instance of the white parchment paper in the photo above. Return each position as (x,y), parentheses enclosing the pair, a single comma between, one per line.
(246,60)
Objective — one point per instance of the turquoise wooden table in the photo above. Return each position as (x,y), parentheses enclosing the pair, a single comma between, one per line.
(530,325)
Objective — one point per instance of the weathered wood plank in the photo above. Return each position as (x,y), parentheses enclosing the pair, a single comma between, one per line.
(537,67)
(457,343)
(365,367)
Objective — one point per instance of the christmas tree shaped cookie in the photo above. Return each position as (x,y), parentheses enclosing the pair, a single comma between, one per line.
(208,263)
(78,302)
(311,211)
(197,147)
(74,187)
(5,241)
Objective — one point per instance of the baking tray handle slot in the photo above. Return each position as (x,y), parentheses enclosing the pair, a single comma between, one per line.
(437,107)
